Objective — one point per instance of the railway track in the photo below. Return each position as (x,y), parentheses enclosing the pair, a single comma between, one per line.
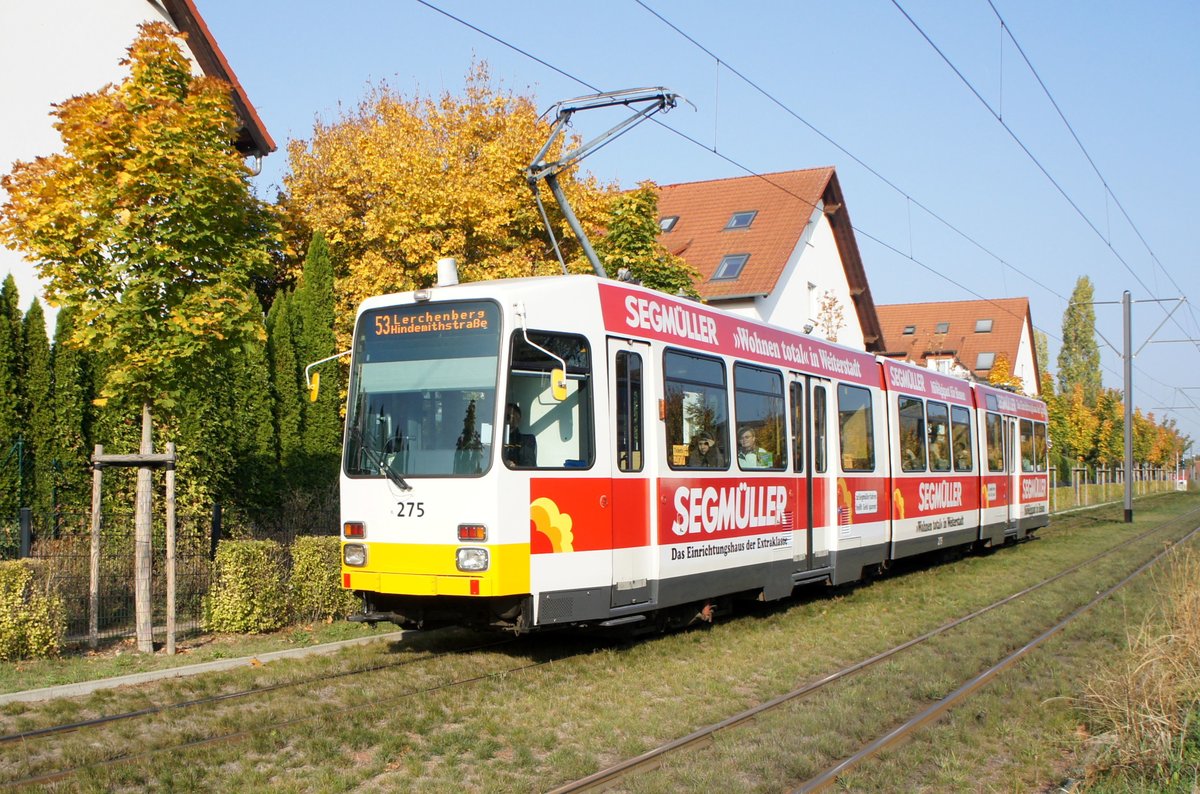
(631,768)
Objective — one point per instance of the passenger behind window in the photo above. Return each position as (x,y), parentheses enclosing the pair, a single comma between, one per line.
(520,449)
(704,453)
(750,455)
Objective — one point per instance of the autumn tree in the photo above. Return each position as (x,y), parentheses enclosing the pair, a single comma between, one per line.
(146,224)
(1079,356)
(398,183)
(1001,374)
(630,245)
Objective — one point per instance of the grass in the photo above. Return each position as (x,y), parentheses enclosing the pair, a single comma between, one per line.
(589,703)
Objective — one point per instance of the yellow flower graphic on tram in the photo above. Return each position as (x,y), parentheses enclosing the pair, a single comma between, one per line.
(556,526)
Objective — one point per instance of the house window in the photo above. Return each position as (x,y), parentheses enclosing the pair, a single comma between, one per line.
(985,361)
(668,223)
(730,267)
(983,326)
(942,328)
(741,220)
(909,330)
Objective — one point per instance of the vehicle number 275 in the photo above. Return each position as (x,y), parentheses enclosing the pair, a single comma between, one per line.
(410,509)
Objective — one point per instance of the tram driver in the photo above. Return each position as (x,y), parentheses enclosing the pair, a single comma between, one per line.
(520,449)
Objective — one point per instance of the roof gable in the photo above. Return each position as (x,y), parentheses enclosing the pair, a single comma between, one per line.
(253,137)
(949,329)
(782,204)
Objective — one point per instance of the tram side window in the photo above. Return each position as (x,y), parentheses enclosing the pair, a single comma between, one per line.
(939,436)
(1026,445)
(697,417)
(629,411)
(758,406)
(912,434)
(960,438)
(818,417)
(995,442)
(798,427)
(1039,446)
(856,429)
(539,431)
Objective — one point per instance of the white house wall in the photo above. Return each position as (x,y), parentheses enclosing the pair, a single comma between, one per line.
(52,50)
(1024,367)
(815,261)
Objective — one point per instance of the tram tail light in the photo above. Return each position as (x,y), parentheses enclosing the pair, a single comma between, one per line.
(472,532)
(354,529)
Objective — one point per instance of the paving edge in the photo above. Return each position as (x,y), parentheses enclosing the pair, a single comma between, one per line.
(87,687)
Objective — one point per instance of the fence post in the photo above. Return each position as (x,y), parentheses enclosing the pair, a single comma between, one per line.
(170,543)
(216,530)
(26,522)
(94,563)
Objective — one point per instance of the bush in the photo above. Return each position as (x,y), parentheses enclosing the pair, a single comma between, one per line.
(32,620)
(248,593)
(314,589)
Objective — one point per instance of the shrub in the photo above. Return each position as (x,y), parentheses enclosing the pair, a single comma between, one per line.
(248,594)
(32,620)
(314,590)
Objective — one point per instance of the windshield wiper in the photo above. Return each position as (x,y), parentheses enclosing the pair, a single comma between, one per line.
(377,460)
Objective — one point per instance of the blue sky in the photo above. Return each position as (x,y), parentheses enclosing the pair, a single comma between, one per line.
(908,135)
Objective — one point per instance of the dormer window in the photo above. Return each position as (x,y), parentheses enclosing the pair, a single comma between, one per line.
(730,267)
(942,328)
(983,326)
(909,330)
(741,220)
(668,223)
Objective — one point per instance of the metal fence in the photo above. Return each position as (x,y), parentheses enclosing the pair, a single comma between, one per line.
(60,546)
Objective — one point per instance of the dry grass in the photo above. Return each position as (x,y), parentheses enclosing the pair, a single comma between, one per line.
(1144,706)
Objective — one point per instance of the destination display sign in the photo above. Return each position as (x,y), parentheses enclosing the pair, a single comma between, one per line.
(440,320)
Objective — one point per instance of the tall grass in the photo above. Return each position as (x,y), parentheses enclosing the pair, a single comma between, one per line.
(1145,705)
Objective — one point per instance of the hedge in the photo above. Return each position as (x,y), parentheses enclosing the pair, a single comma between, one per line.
(33,621)
(248,593)
(314,588)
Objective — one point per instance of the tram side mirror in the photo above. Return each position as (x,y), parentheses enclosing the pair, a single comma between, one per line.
(558,384)
(315,389)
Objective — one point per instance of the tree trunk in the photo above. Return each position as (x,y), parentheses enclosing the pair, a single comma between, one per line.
(142,543)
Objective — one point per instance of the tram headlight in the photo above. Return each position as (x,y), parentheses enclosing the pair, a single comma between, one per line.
(354,554)
(471,559)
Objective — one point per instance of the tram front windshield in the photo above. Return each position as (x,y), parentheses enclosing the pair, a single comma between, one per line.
(423,390)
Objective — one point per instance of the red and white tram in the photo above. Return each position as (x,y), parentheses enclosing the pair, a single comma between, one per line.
(572,450)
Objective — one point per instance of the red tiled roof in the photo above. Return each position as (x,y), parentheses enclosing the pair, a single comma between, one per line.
(784,202)
(1009,317)
(254,138)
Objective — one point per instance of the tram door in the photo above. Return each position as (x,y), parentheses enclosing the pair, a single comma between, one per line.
(632,510)
(807,407)
(1012,471)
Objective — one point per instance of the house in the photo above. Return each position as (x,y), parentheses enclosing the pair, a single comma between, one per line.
(55,49)
(964,338)
(775,247)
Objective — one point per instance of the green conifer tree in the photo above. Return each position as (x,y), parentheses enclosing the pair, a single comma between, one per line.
(312,319)
(285,389)
(38,411)
(74,417)
(11,430)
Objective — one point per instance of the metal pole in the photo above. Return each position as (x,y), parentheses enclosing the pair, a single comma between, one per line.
(573,222)
(26,522)
(94,562)
(1126,316)
(170,542)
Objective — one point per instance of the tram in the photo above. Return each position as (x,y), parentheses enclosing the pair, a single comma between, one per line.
(576,451)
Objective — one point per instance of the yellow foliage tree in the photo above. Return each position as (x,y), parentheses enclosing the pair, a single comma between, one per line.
(1001,374)
(398,183)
